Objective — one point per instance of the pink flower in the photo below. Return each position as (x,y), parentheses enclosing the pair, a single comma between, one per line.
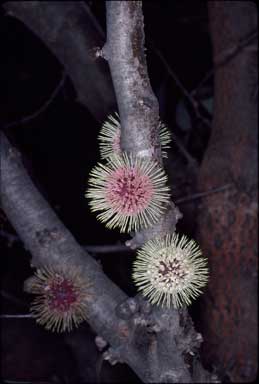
(61,298)
(130,192)
(110,135)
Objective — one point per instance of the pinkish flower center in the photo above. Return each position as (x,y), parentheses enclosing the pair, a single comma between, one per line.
(171,270)
(61,295)
(129,191)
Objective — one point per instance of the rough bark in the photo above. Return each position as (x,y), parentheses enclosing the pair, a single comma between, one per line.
(227,222)
(49,241)
(138,106)
(72,34)
(159,345)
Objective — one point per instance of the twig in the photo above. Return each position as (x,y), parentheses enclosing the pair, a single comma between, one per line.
(199,195)
(204,80)
(229,53)
(224,57)
(44,106)
(17,316)
(188,95)
(174,76)
(190,159)
(24,382)
(107,248)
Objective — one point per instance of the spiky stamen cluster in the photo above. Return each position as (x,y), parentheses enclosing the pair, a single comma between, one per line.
(110,133)
(131,192)
(61,298)
(170,271)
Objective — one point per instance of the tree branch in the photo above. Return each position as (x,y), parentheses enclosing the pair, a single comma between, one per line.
(49,241)
(159,345)
(42,108)
(153,342)
(138,106)
(72,34)
(195,104)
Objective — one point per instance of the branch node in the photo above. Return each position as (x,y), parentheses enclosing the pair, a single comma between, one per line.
(100,343)
(127,309)
(113,355)
(101,52)
(199,338)
(145,305)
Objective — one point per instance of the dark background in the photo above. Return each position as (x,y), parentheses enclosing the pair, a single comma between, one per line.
(60,147)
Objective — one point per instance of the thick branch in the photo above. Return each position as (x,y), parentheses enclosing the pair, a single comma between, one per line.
(49,241)
(159,345)
(72,34)
(153,342)
(138,106)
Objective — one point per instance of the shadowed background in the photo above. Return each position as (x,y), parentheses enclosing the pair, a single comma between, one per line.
(58,140)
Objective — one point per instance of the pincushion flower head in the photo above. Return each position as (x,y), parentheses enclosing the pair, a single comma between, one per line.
(110,133)
(130,192)
(170,271)
(60,301)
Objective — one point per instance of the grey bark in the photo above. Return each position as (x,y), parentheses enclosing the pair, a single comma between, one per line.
(155,343)
(138,106)
(159,345)
(48,240)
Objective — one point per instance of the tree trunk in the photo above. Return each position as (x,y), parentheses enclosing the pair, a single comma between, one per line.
(227,221)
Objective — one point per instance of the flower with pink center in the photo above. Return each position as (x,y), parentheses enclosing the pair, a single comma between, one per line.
(63,295)
(61,298)
(130,192)
(110,135)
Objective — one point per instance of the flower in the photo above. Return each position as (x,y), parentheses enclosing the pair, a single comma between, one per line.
(131,192)
(110,133)
(170,270)
(61,298)
(109,137)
